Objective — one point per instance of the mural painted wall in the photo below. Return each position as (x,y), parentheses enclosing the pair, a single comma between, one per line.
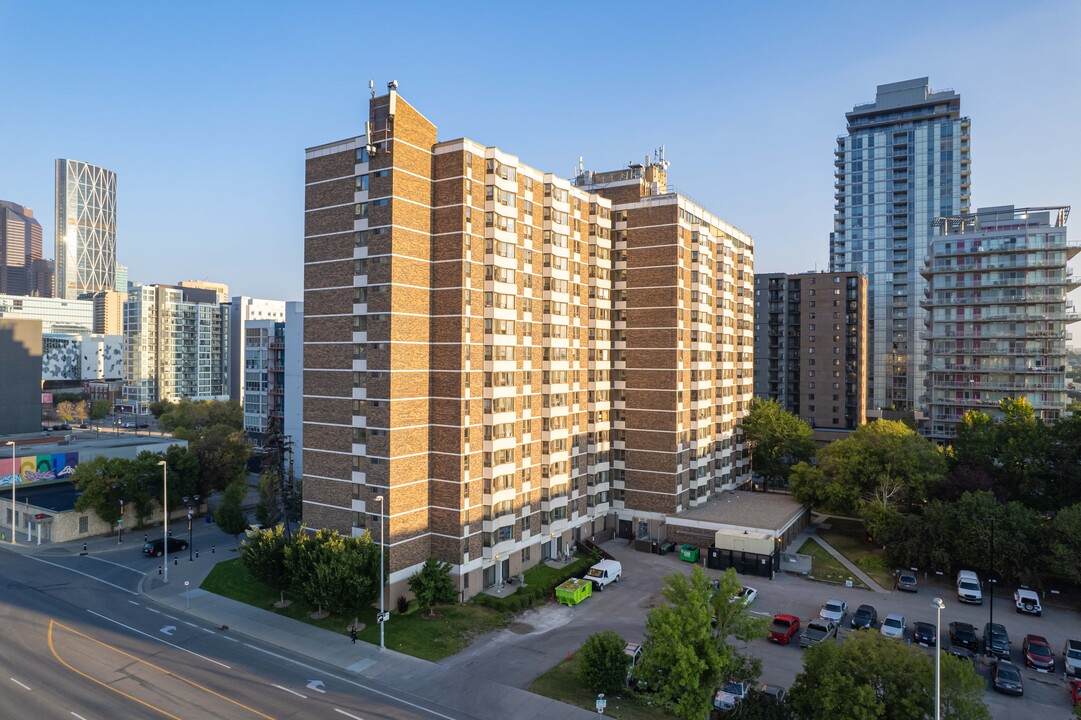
(38,468)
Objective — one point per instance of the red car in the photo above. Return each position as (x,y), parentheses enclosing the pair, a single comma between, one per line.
(1075,690)
(1037,653)
(784,628)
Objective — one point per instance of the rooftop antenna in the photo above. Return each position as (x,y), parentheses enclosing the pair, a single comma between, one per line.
(371,86)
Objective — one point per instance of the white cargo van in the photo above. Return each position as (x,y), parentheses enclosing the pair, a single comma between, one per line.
(604,572)
(968,587)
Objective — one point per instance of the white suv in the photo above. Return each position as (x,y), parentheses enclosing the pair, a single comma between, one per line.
(1027,601)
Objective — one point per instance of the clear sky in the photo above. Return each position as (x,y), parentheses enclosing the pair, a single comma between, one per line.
(203,109)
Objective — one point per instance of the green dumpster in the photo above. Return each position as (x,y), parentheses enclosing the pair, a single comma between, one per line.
(688,553)
(574,591)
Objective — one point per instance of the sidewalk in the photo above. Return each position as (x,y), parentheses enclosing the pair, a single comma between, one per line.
(811,534)
(447,691)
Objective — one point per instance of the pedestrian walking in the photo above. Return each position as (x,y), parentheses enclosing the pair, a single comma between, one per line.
(353,633)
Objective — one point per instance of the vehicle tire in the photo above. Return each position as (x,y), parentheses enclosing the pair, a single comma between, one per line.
(618,577)
(1039,613)
(157,554)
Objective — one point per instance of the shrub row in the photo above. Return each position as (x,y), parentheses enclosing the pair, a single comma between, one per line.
(530,595)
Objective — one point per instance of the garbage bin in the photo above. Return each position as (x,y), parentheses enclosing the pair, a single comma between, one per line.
(667,548)
(654,548)
(688,553)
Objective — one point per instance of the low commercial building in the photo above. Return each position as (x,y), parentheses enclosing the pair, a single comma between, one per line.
(20,375)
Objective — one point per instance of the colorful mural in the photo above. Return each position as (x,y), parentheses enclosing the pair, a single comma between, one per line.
(37,468)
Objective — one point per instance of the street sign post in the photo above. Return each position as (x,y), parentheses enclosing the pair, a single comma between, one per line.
(601,704)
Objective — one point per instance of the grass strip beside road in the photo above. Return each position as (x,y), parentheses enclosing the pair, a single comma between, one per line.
(849,537)
(430,639)
(824,566)
(561,683)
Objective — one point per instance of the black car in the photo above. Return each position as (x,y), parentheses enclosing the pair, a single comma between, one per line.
(156,548)
(84,426)
(864,617)
(995,640)
(1006,678)
(964,635)
(925,634)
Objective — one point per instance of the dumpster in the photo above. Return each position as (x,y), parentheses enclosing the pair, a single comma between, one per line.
(574,591)
(667,548)
(688,553)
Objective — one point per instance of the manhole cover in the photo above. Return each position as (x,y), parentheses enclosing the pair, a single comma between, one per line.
(520,628)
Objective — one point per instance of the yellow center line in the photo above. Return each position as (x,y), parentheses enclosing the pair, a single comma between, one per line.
(52,648)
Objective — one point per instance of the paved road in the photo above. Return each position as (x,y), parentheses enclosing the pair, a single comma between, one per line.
(543,638)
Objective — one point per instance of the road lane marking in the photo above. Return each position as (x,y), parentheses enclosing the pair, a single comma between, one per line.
(154,611)
(52,648)
(190,624)
(348,715)
(230,639)
(78,572)
(110,562)
(128,627)
(22,685)
(208,631)
(316,685)
(77,715)
(171,617)
(294,692)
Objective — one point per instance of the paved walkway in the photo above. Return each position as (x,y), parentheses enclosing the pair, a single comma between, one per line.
(810,534)
(447,691)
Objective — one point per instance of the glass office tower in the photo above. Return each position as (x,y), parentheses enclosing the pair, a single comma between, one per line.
(904,162)
(85,229)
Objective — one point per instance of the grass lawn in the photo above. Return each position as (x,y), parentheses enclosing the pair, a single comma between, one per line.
(824,566)
(561,683)
(849,538)
(413,634)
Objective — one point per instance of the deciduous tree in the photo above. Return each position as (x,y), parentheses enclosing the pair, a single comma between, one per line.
(602,663)
(229,516)
(433,585)
(263,554)
(779,440)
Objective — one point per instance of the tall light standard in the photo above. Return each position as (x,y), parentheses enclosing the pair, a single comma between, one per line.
(382,617)
(14,477)
(188,504)
(937,604)
(165,510)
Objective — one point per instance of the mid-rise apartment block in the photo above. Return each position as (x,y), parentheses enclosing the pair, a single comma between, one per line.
(243,310)
(85,229)
(56,314)
(499,361)
(904,162)
(108,311)
(997,312)
(20,247)
(264,377)
(176,345)
(810,347)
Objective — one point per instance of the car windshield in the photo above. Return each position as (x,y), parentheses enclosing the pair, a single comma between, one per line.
(925,627)
(1074,654)
(594,572)
(743,592)
(1008,673)
(908,579)
(733,688)
(863,613)
(1041,650)
(893,622)
(969,585)
(833,607)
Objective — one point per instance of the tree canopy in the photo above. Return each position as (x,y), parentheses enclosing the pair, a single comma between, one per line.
(602,663)
(433,585)
(778,440)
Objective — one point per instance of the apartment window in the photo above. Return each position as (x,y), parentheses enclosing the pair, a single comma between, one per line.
(360,211)
(362,183)
(362,157)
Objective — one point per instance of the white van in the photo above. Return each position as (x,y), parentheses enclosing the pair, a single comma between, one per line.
(604,572)
(968,587)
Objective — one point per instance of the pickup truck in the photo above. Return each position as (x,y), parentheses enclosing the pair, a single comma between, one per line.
(783,628)
(818,632)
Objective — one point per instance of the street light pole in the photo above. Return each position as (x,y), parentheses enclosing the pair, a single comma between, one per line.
(14,478)
(382,619)
(188,504)
(165,520)
(937,604)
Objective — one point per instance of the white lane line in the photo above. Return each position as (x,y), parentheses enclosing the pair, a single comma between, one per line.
(362,686)
(22,685)
(163,642)
(209,632)
(154,611)
(77,715)
(190,624)
(78,572)
(294,692)
(133,602)
(171,617)
(348,715)
(230,639)
(110,562)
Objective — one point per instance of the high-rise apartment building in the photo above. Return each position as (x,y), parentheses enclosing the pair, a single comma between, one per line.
(500,361)
(122,278)
(904,162)
(85,229)
(243,310)
(997,312)
(108,311)
(221,290)
(176,345)
(810,347)
(20,247)
(264,377)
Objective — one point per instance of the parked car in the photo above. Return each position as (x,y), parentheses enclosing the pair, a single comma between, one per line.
(817,632)
(962,652)
(834,611)
(1071,658)
(924,633)
(865,617)
(894,626)
(995,640)
(968,587)
(964,635)
(128,424)
(1075,691)
(729,696)
(156,548)
(783,628)
(1006,678)
(84,426)
(605,572)
(773,693)
(1037,653)
(746,595)
(907,581)
(1027,601)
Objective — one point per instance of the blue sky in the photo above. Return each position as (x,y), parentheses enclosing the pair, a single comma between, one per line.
(204,109)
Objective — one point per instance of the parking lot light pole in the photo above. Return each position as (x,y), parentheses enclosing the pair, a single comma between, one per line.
(188,504)
(165,520)
(937,604)
(382,587)
(14,477)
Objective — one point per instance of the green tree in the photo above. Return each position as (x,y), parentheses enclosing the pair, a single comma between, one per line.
(223,456)
(101,485)
(869,676)
(99,409)
(683,660)
(433,585)
(269,510)
(334,573)
(602,663)
(263,554)
(779,440)
(1062,557)
(195,417)
(229,516)
(70,411)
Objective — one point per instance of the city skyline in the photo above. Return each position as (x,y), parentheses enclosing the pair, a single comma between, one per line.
(211,122)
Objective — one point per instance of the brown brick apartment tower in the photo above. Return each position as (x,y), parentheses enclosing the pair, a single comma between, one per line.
(475,355)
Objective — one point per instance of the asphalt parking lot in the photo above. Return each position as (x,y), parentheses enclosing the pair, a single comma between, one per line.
(542,638)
